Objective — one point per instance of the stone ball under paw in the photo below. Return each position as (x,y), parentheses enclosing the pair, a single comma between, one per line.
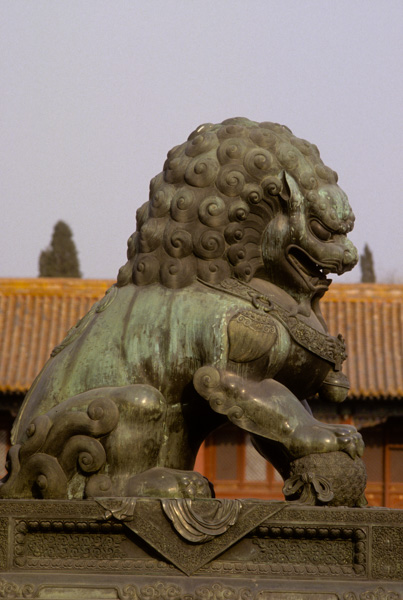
(332,479)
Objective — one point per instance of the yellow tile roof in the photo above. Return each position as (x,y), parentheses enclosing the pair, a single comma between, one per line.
(370,318)
(35,315)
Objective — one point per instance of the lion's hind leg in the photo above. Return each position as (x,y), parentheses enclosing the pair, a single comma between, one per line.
(94,441)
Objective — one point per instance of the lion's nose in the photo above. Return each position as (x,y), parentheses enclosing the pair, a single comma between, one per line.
(350,257)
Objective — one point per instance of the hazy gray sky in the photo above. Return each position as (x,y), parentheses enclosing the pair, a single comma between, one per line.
(95,92)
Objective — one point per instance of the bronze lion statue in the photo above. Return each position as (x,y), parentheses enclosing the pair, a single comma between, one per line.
(214,317)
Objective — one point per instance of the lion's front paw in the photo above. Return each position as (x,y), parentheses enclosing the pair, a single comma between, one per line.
(349,440)
(321,437)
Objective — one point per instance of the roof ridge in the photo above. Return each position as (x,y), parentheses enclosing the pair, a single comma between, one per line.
(55,286)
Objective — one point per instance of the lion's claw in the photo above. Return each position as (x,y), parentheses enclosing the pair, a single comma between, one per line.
(353,445)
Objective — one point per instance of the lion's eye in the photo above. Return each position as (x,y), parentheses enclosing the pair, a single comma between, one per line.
(320,231)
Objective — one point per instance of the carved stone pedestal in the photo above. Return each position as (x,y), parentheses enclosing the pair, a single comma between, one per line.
(149,549)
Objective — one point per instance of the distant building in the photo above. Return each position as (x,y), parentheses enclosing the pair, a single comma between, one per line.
(35,314)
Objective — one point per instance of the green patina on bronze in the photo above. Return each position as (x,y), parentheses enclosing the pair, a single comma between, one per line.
(214,317)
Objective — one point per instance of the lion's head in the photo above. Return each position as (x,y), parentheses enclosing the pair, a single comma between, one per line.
(242,199)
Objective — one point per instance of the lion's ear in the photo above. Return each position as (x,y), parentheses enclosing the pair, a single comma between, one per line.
(290,191)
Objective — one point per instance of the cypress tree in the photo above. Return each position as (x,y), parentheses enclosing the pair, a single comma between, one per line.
(60,259)
(367,266)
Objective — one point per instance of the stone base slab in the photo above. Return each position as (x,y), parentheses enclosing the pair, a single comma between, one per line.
(151,549)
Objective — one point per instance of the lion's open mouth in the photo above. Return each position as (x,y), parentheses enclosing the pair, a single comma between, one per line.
(313,272)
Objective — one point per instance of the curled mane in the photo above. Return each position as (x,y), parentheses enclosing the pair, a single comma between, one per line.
(209,207)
